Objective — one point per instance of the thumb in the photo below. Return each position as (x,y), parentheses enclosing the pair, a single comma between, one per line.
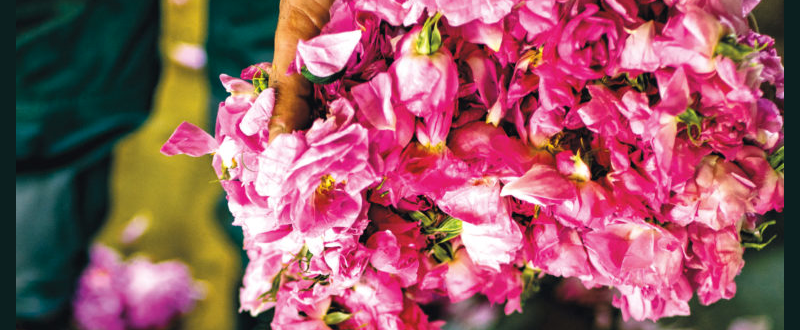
(297,20)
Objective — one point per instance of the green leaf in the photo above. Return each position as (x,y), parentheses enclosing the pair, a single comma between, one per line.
(336,318)
(321,80)
(421,217)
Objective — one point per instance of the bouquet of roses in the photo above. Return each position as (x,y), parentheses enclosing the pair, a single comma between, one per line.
(472,147)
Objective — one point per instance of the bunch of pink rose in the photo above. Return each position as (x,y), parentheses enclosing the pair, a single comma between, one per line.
(472,147)
(114,294)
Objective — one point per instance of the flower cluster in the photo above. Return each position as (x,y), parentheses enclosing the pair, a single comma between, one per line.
(472,147)
(135,294)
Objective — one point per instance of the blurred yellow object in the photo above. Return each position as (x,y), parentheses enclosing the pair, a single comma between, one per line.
(176,195)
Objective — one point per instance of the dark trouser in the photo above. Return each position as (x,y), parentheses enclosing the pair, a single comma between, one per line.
(58,212)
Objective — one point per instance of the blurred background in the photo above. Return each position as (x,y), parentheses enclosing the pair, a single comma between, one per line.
(101,85)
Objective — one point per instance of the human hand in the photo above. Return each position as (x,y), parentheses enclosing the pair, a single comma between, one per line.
(297,20)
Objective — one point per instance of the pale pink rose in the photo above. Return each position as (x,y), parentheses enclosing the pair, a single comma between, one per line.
(556,249)
(636,254)
(715,259)
(689,39)
(718,196)
(425,85)
(390,257)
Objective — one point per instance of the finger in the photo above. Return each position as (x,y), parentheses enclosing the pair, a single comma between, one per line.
(298,20)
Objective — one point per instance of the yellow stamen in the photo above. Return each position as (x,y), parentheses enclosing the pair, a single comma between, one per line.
(531,59)
(438,148)
(326,184)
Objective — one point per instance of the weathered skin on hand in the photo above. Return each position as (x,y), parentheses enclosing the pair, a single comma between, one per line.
(298,20)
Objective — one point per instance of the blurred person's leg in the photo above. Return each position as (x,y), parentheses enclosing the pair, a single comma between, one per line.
(57,213)
(85,74)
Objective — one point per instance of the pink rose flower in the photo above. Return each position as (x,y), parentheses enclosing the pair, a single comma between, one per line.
(715,259)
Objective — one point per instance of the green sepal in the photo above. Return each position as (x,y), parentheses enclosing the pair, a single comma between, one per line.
(692,119)
(421,217)
(431,215)
(316,278)
(763,226)
(430,39)
(304,258)
(728,47)
(448,237)
(321,80)
(261,82)
(436,37)
(443,230)
(336,318)
(226,174)
(531,283)
(635,82)
(443,252)
(641,82)
(758,246)
(756,241)
(450,225)
(272,294)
